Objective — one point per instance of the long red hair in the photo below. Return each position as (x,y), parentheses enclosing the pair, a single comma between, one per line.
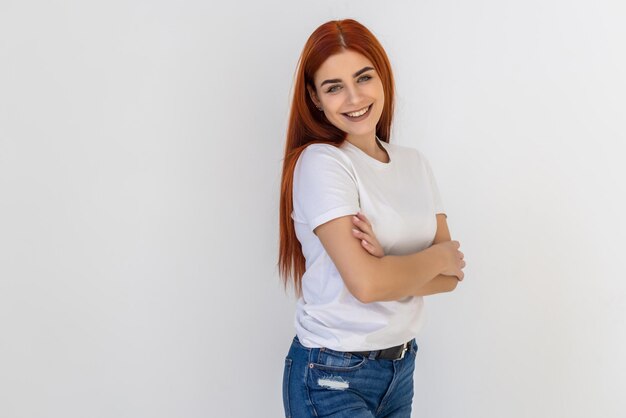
(308,125)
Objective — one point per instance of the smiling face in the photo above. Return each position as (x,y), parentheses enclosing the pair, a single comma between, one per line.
(346,85)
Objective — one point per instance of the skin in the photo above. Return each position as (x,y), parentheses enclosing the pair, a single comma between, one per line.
(348,82)
(363,231)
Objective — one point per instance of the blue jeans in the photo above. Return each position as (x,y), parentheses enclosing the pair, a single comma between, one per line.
(320,382)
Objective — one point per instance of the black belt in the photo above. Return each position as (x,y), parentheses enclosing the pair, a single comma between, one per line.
(391,353)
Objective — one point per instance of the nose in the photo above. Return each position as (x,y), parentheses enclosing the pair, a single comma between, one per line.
(354,95)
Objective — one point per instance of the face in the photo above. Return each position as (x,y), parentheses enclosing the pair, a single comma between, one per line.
(345,83)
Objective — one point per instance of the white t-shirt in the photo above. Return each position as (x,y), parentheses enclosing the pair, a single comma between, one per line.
(400,198)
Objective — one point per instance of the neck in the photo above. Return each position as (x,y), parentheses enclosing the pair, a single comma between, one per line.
(365,142)
(369,145)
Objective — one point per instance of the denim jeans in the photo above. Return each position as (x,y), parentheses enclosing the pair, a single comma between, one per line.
(320,382)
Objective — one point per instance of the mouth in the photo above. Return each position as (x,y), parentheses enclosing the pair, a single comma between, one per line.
(360,114)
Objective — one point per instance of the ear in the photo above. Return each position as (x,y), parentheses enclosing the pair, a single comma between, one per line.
(313,96)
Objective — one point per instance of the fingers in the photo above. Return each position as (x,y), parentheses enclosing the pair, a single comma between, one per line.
(363,218)
(362,223)
(369,243)
(372,249)
(360,234)
(360,219)
(362,237)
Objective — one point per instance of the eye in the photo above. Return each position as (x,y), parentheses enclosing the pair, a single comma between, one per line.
(334,88)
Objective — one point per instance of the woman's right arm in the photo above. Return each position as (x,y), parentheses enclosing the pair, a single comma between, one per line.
(370,278)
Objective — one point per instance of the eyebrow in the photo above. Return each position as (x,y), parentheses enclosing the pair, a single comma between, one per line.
(337,80)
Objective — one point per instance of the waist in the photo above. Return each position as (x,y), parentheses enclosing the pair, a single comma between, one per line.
(392,353)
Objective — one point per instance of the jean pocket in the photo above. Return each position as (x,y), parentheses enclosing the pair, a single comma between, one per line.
(286,376)
(336,361)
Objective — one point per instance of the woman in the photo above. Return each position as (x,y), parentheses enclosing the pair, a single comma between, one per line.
(360,294)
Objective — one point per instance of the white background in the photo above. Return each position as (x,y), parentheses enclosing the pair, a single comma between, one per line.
(141,145)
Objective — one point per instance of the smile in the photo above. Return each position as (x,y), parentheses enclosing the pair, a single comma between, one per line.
(359,114)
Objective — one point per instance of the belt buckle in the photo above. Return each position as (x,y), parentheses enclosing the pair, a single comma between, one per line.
(404,350)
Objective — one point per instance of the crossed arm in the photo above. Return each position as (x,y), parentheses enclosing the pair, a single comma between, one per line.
(355,265)
(440,283)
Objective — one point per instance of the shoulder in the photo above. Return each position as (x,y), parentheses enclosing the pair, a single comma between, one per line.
(323,155)
(320,148)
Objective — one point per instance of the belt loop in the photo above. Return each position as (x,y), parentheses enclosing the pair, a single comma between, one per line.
(373,354)
(404,350)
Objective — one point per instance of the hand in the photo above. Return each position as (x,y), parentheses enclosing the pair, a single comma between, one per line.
(363,230)
(453,258)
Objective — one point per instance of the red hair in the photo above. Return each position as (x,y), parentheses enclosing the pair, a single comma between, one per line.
(308,125)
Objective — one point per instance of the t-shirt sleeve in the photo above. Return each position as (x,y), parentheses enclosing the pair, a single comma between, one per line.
(435,189)
(324,186)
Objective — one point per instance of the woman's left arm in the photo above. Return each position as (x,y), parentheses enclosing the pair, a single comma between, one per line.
(440,283)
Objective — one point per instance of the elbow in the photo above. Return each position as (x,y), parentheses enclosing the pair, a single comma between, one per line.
(362,291)
(369,291)
(357,287)
(360,283)
(367,299)
(363,295)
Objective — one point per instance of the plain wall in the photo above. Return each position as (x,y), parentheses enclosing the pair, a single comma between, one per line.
(141,147)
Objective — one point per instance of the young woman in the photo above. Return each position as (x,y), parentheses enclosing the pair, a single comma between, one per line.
(360,280)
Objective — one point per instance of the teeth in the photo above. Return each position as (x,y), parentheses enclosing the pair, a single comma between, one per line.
(358,113)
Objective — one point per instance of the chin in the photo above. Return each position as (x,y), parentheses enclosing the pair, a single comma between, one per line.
(363,131)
